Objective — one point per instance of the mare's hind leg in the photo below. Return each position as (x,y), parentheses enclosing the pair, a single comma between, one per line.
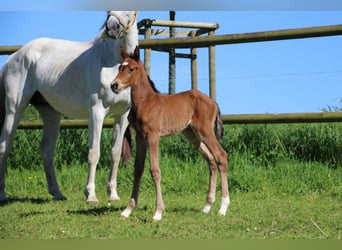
(194,140)
(51,119)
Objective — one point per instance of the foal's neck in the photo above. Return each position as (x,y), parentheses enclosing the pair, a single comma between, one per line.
(142,90)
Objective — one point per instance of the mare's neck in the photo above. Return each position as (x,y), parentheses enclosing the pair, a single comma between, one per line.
(110,47)
(130,41)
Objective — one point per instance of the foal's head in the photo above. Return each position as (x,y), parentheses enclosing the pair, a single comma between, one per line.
(128,71)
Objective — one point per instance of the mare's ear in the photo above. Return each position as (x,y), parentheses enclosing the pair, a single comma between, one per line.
(123,53)
(137,53)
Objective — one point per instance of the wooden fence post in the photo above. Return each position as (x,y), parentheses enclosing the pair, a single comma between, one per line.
(212,70)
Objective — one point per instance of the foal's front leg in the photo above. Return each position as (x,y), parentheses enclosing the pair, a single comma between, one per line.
(139,165)
(156,175)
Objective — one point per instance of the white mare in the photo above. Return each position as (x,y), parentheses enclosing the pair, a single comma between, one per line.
(72,78)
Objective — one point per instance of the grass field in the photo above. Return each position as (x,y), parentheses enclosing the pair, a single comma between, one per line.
(289,200)
(285,183)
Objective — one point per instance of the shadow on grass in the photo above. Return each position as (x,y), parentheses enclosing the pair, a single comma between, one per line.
(96,211)
(24,200)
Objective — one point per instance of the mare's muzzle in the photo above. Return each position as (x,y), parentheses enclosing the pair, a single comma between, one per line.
(115,87)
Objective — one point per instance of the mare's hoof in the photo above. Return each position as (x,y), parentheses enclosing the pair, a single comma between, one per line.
(114,199)
(94,202)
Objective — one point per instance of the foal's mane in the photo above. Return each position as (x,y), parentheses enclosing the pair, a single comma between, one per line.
(132,56)
(153,85)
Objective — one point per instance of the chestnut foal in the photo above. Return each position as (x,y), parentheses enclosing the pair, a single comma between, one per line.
(154,115)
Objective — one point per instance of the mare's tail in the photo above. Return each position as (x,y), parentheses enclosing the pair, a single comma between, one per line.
(2,100)
(219,131)
(127,146)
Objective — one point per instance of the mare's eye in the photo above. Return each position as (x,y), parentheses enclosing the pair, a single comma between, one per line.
(131,70)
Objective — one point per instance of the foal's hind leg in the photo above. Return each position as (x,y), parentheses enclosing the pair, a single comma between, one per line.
(51,119)
(193,138)
(212,179)
(220,157)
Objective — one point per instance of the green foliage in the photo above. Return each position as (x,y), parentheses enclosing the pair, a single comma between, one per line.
(261,144)
(285,182)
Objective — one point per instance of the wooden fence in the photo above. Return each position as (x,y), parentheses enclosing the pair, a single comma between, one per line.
(189,42)
(227,119)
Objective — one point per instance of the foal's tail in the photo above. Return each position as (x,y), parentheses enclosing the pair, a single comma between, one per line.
(219,131)
(2,101)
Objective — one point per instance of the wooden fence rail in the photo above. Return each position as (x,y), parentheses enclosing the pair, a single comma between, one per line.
(227,119)
(264,36)
(197,42)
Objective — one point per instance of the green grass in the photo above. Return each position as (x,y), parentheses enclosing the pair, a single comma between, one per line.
(285,183)
(289,200)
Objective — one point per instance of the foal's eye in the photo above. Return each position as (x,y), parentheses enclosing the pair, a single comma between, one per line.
(131,70)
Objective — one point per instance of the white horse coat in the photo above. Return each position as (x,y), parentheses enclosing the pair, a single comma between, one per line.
(73,78)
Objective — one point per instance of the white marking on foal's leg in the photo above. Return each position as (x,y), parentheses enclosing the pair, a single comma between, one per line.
(157,216)
(206,208)
(225,201)
(127,212)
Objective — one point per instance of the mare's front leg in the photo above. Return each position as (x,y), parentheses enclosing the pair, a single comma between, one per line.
(139,165)
(97,115)
(10,125)
(14,108)
(118,135)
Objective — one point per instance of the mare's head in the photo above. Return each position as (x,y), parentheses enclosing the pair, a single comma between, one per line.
(129,70)
(118,23)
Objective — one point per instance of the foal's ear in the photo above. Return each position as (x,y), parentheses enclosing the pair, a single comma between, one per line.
(137,53)
(123,53)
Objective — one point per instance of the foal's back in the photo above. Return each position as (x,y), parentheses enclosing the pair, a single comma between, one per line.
(171,114)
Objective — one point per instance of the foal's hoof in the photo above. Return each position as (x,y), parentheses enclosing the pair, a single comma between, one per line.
(122,217)
(3,197)
(3,202)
